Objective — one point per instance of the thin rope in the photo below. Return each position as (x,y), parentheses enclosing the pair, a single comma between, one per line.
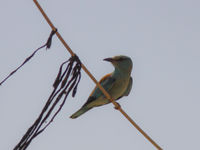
(47,45)
(65,83)
(117,106)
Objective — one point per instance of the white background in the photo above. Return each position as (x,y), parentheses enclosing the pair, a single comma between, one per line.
(161,37)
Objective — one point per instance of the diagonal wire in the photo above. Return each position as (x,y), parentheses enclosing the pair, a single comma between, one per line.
(117,106)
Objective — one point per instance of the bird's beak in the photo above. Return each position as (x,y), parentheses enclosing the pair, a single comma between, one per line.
(108,59)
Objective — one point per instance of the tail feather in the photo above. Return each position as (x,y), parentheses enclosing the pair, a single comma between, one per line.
(80,112)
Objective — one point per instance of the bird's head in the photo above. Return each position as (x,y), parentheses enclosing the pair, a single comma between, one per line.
(121,62)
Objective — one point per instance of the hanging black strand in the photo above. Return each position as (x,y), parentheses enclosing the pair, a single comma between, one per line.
(67,80)
(47,45)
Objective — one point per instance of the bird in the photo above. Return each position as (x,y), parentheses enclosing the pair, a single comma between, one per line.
(117,84)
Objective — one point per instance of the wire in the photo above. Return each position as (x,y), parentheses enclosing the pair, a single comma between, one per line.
(117,106)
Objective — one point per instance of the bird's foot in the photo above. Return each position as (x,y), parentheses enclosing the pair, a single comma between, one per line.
(118,106)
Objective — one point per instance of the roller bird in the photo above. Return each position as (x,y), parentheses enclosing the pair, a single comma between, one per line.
(117,84)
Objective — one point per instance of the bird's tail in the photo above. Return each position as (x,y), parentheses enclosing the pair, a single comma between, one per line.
(80,112)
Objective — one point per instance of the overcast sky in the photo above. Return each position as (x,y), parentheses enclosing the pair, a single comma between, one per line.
(161,37)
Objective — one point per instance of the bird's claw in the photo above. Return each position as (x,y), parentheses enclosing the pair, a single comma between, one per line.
(118,106)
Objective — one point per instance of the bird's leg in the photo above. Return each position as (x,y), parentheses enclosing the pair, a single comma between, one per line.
(118,106)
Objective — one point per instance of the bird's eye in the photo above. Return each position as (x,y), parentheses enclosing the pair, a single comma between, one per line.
(120,59)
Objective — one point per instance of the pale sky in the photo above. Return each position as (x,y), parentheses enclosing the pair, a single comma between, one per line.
(161,37)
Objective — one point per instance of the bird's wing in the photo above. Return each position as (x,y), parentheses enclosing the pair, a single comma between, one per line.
(128,89)
(106,82)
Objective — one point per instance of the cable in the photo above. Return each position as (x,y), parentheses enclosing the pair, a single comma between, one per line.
(117,106)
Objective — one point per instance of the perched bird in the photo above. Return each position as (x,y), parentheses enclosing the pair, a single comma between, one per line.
(117,84)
